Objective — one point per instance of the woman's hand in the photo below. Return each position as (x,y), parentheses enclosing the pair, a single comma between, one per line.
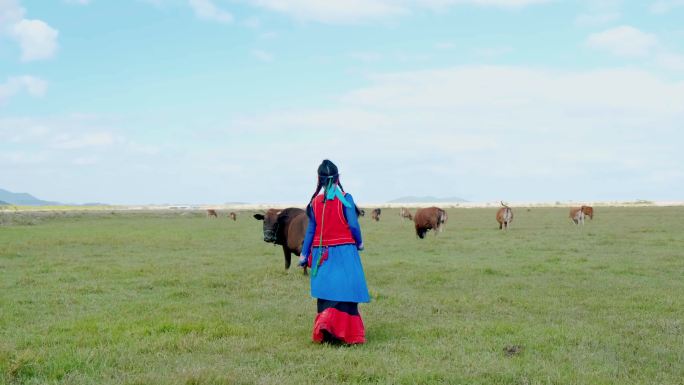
(359,247)
(303,261)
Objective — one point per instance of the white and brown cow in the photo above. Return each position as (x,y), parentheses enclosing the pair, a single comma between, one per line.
(504,216)
(577,215)
(404,213)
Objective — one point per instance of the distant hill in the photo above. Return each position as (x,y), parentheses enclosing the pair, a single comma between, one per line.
(3,203)
(23,199)
(426,199)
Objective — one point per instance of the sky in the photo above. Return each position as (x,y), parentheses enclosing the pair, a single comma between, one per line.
(215,101)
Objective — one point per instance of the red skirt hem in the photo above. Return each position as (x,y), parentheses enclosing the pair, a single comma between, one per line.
(340,325)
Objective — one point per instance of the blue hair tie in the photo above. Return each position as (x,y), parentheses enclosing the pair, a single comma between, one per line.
(333,192)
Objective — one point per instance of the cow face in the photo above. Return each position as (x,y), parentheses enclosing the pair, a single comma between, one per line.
(270,224)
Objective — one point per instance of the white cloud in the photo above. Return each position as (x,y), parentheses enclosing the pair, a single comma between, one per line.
(206,9)
(497,3)
(343,11)
(252,22)
(37,151)
(366,56)
(60,133)
(492,52)
(262,55)
(623,41)
(36,39)
(334,11)
(445,45)
(465,130)
(85,160)
(355,11)
(156,3)
(495,94)
(627,41)
(590,19)
(32,85)
(600,12)
(671,61)
(10,12)
(472,125)
(664,6)
(83,140)
(22,158)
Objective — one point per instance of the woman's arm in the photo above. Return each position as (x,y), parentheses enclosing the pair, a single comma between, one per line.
(310,231)
(353,221)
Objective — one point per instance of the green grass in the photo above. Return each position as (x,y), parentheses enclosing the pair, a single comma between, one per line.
(165,298)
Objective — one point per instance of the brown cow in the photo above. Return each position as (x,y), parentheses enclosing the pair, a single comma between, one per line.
(212,213)
(287,228)
(404,213)
(588,211)
(504,216)
(232,216)
(431,218)
(375,215)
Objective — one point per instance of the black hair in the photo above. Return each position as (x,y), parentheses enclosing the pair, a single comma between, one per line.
(327,176)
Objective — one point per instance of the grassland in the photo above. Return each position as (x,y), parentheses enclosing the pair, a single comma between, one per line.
(165,298)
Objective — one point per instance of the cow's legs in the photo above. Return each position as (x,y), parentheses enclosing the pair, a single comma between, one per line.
(288,257)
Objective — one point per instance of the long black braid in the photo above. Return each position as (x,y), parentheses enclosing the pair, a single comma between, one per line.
(318,189)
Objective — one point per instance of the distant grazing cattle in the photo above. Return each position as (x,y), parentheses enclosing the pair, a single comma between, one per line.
(504,216)
(375,215)
(232,216)
(211,213)
(431,218)
(577,214)
(287,228)
(404,213)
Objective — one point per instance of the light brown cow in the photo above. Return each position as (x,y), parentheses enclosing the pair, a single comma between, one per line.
(404,213)
(232,216)
(504,216)
(431,218)
(212,213)
(577,214)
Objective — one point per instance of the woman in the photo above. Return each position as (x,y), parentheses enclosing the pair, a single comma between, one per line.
(330,248)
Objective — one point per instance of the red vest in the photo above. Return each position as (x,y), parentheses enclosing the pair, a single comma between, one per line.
(335,227)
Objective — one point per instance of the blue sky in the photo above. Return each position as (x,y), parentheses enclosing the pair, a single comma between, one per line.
(212,101)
